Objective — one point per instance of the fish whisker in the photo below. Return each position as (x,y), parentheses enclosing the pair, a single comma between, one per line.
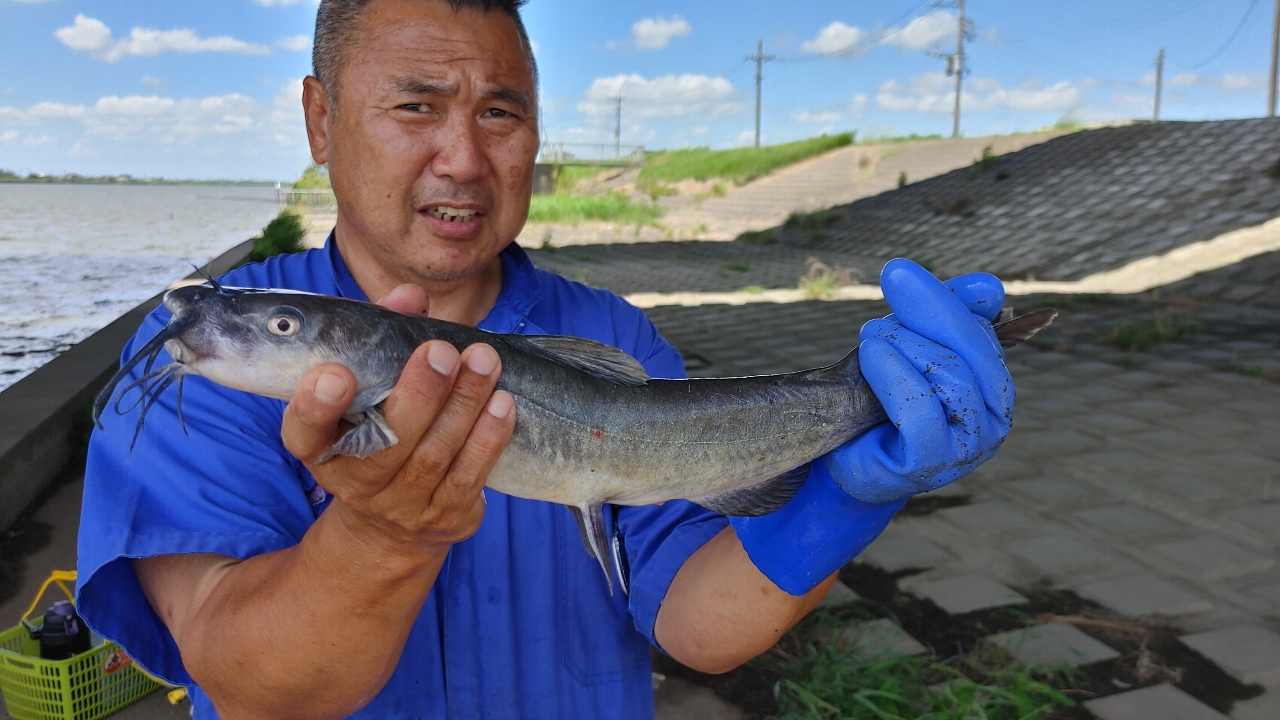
(150,350)
(173,371)
(144,384)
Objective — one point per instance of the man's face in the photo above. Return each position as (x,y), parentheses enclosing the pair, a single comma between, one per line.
(432,145)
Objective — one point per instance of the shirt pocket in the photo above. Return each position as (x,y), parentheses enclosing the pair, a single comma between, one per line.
(600,644)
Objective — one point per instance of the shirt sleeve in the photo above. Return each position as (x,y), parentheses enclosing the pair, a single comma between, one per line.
(658,539)
(217,481)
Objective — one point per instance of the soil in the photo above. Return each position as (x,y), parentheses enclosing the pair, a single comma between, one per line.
(1150,650)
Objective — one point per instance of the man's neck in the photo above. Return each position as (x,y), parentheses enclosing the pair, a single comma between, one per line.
(466,301)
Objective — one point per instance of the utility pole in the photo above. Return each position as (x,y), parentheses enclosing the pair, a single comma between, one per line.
(959,68)
(1275,63)
(761,59)
(1155,116)
(617,128)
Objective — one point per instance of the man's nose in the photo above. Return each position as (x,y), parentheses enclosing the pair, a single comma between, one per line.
(461,157)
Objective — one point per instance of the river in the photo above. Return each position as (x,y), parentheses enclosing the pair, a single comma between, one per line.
(75,257)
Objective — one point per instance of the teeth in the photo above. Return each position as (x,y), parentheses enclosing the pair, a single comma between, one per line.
(452,214)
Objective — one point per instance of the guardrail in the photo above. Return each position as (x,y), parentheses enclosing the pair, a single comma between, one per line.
(306,199)
(605,154)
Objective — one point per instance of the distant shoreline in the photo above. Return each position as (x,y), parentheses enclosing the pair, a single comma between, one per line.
(64,180)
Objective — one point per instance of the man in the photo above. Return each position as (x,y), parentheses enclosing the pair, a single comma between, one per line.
(223,557)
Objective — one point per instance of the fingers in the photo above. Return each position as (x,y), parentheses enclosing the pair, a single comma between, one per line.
(422,390)
(312,417)
(436,451)
(982,293)
(407,300)
(463,484)
(923,305)
(908,400)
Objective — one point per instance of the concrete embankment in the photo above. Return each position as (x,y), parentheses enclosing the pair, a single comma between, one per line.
(38,413)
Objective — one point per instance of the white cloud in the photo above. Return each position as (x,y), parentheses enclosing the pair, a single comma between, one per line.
(153,82)
(1232,82)
(656,33)
(296,43)
(935,93)
(923,32)
(8,136)
(668,96)
(816,116)
(35,141)
(91,35)
(835,38)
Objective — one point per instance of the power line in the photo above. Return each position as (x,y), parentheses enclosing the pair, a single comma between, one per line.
(1230,39)
(1155,115)
(760,59)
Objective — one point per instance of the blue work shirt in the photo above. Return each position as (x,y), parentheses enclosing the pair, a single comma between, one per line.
(519,624)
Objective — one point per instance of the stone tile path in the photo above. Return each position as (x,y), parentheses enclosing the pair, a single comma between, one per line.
(1159,702)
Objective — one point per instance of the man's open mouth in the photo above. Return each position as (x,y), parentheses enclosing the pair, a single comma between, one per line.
(452,214)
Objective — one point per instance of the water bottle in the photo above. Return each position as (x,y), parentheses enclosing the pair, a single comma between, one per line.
(63,633)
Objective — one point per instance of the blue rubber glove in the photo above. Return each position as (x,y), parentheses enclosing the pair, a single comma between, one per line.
(938,370)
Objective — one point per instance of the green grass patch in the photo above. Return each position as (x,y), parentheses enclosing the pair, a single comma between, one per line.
(821,280)
(739,165)
(752,290)
(758,237)
(1139,335)
(824,678)
(736,266)
(282,235)
(315,177)
(573,209)
(568,176)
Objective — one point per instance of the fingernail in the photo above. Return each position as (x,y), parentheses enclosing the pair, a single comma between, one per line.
(442,358)
(482,359)
(500,404)
(331,388)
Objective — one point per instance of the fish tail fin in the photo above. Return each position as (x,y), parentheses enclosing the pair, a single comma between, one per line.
(1012,330)
(594,536)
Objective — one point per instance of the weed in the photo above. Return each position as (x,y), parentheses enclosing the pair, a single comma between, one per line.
(821,280)
(573,209)
(739,165)
(902,179)
(546,241)
(957,207)
(315,177)
(718,190)
(752,290)
(281,236)
(812,225)
(583,258)
(580,275)
(1138,335)
(758,237)
(983,164)
(700,229)
(736,266)
(655,189)
(1259,371)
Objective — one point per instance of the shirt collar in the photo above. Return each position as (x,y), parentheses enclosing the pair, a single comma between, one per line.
(521,289)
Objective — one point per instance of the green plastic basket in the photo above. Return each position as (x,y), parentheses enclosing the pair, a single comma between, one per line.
(88,686)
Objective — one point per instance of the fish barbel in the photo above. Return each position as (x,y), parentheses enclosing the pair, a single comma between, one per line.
(591,426)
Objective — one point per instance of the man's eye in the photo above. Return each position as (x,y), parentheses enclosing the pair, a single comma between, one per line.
(497,113)
(415,107)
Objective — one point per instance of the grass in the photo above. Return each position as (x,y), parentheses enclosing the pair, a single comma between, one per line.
(1258,371)
(1139,335)
(573,209)
(282,235)
(737,266)
(821,280)
(827,680)
(758,237)
(315,177)
(739,165)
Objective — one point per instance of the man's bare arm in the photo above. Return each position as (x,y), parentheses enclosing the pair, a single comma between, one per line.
(720,611)
(316,630)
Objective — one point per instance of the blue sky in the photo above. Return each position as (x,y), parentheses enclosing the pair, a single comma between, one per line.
(205,89)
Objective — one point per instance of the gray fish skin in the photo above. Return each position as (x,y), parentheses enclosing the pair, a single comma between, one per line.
(583,438)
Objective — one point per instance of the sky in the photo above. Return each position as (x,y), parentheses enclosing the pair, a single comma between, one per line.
(211,89)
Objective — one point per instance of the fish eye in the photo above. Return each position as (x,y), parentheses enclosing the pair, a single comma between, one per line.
(284,323)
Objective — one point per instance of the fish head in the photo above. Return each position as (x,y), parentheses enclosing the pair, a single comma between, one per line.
(257,341)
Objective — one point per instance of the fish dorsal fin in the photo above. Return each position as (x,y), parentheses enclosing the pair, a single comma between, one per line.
(596,359)
(594,536)
(1012,331)
(759,499)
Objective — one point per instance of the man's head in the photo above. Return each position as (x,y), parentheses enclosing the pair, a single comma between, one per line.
(426,113)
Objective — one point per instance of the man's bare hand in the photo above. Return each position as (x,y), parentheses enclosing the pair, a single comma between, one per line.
(452,426)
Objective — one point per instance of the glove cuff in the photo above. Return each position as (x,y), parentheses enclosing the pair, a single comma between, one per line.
(815,534)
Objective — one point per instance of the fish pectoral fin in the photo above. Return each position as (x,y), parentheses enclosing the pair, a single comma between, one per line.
(371,435)
(759,499)
(594,536)
(593,358)
(1011,331)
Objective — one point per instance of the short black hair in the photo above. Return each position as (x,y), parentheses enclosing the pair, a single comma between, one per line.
(336,21)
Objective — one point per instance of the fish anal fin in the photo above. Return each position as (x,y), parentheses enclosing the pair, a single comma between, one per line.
(759,499)
(595,538)
(595,359)
(371,435)
(1013,331)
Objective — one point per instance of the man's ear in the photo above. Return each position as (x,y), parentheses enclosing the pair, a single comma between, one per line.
(317,108)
